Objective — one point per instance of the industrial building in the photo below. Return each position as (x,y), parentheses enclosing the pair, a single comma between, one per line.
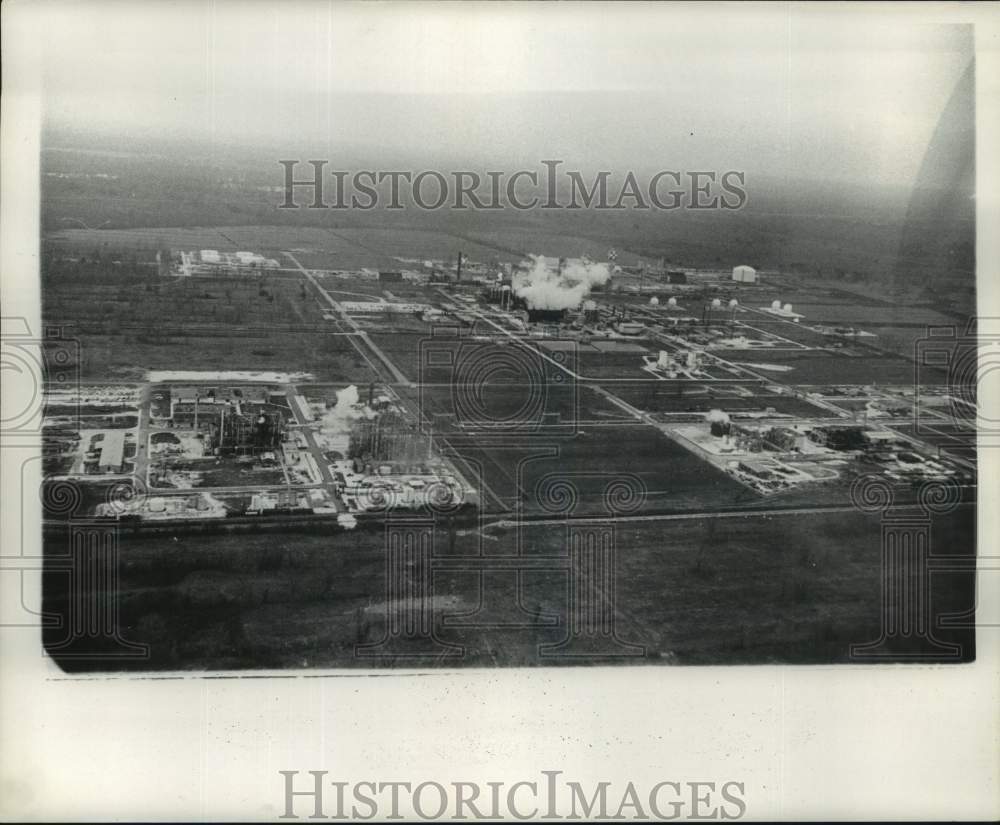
(745,274)
(235,419)
(112,458)
(213,262)
(387,439)
(631,328)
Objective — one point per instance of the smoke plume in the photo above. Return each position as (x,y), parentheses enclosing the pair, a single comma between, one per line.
(717,416)
(346,410)
(543,288)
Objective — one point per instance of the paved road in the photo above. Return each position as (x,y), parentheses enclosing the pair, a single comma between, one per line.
(774,511)
(141,459)
(347,319)
(254,488)
(314,448)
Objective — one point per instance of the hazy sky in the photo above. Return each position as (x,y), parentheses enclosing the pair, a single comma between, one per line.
(777,90)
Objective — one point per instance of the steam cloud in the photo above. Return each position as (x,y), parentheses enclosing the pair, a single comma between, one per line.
(717,416)
(346,410)
(541,288)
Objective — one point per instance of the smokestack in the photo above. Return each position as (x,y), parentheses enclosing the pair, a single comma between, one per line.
(458,269)
(371,393)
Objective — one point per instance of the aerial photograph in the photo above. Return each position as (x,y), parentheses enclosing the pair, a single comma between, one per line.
(541,341)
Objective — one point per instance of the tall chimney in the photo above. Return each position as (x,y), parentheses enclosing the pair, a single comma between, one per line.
(458,269)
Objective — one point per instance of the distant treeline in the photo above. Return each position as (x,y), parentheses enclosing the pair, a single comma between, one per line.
(97,267)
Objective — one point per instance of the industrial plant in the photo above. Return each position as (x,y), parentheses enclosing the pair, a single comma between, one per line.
(718,362)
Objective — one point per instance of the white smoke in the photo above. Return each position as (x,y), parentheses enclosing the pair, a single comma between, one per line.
(347,409)
(347,397)
(543,288)
(717,416)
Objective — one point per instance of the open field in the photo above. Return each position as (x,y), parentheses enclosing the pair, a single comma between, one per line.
(200,323)
(315,247)
(424,244)
(466,409)
(695,397)
(818,367)
(519,470)
(128,354)
(863,313)
(757,589)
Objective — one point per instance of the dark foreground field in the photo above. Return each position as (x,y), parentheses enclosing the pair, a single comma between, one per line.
(758,589)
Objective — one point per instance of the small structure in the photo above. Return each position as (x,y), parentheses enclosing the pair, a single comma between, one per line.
(112,452)
(629,328)
(745,274)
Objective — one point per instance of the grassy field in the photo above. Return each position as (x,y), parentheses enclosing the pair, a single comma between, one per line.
(519,470)
(455,409)
(779,589)
(314,247)
(664,396)
(275,324)
(861,313)
(819,367)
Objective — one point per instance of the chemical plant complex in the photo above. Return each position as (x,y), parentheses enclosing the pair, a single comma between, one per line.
(721,389)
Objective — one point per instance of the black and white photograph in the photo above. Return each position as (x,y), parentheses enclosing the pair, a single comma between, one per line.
(379,342)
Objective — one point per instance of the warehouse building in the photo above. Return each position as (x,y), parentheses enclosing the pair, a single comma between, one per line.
(112,458)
